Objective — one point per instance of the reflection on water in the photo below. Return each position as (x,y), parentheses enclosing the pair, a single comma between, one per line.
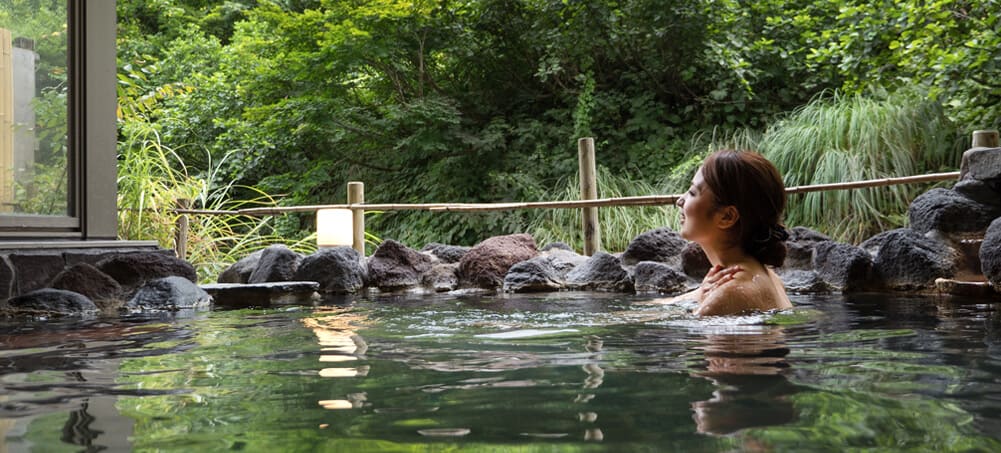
(581,372)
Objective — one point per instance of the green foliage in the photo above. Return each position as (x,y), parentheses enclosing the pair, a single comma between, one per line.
(853,138)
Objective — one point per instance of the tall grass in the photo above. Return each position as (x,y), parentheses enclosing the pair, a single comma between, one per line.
(152,177)
(851,138)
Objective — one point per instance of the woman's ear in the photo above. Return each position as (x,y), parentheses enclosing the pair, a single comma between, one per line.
(727,216)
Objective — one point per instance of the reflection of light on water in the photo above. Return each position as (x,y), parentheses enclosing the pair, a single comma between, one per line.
(352,401)
(344,372)
(336,404)
(337,358)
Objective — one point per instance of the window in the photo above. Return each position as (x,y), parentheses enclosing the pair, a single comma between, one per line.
(57,113)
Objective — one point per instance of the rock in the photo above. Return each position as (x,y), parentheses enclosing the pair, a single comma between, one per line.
(130,271)
(662,245)
(169,294)
(446,253)
(239,272)
(843,267)
(278,263)
(395,266)
(802,281)
(487,263)
(337,270)
(35,269)
(563,261)
(82,278)
(981,163)
(990,254)
(557,246)
(799,248)
(442,277)
(49,302)
(654,277)
(979,191)
(533,275)
(906,260)
(947,211)
(601,272)
(257,295)
(694,261)
(6,277)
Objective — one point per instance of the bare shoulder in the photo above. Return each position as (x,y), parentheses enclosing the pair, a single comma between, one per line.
(746,292)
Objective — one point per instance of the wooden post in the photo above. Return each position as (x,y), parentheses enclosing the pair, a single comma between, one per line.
(589,191)
(6,122)
(181,229)
(985,139)
(356,195)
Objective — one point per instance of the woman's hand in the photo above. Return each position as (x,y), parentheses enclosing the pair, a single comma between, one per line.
(717,277)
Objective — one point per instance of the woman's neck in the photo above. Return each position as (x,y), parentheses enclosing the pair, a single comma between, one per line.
(724,254)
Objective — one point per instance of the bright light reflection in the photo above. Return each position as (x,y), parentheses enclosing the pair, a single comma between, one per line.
(344,372)
(336,404)
(337,358)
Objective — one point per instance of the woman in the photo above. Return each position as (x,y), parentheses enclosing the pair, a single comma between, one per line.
(733,210)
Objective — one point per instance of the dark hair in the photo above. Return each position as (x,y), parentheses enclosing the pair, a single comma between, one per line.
(752,184)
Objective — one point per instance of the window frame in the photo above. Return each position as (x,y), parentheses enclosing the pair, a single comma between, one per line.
(92,134)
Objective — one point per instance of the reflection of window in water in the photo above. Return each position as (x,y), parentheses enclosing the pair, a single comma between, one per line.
(340,345)
(752,390)
(33,108)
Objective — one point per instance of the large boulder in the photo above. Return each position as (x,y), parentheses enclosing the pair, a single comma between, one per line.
(843,267)
(396,266)
(240,271)
(133,269)
(661,245)
(169,294)
(906,260)
(49,302)
(948,211)
(601,272)
(534,275)
(694,261)
(654,277)
(337,269)
(85,279)
(486,264)
(442,277)
(800,246)
(979,191)
(802,281)
(990,254)
(445,253)
(278,263)
(981,163)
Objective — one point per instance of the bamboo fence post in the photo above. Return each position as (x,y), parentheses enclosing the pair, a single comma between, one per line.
(985,139)
(356,195)
(589,191)
(181,229)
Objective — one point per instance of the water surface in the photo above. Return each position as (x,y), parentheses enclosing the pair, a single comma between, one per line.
(555,372)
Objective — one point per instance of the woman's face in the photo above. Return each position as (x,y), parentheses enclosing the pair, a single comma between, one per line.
(697,208)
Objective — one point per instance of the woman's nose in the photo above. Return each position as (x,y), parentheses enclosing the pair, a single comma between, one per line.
(680,202)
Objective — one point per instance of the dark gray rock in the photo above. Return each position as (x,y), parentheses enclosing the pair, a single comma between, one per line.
(601,272)
(843,267)
(563,261)
(979,191)
(396,266)
(446,253)
(442,277)
(239,272)
(337,270)
(49,302)
(803,281)
(94,256)
(169,294)
(278,263)
(694,261)
(981,163)
(990,254)
(131,270)
(6,277)
(654,277)
(947,211)
(557,246)
(906,260)
(800,246)
(89,281)
(534,275)
(487,263)
(262,295)
(662,245)
(35,270)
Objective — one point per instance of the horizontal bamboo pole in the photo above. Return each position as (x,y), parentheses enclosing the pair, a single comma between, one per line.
(645,200)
